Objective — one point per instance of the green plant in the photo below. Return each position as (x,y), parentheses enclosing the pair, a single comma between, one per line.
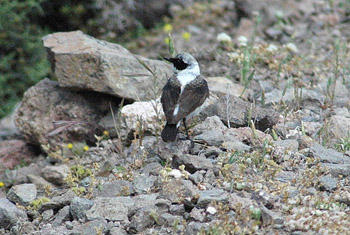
(34,205)
(343,145)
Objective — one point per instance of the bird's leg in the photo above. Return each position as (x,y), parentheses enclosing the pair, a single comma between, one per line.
(188,136)
(184,122)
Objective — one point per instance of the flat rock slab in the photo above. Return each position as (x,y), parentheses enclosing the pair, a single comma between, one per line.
(234,112)
(83,62)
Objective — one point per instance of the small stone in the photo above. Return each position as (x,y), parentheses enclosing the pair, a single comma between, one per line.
(59,201)
(338,169)
(340,126)
(69,225)
(62,216)
(177,209)
(39,181)
(56,174)
(78,208)
(212,152)
(192,162)
(328,155)
(273,33)
(114,188)
(10,214)
(175,173)
(196,227)
(236,146)
(143,183)
(235,200)
(291,145)
(112,209)
(197,177)
(22,194)
(211,210)
(90,227)
(207,196)
(212,138)
(270,217)
(285,176)
(117,231)
(143,218)
(210,123)
(176,190)
(327,183)
(47,215)
(197,214)
(169,219)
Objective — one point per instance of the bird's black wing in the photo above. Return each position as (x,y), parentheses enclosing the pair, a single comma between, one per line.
(170,97)
(193,96)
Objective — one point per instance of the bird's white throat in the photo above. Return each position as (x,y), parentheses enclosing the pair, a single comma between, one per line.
(187,75)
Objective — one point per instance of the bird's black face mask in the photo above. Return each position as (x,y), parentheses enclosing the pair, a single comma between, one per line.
(178,63)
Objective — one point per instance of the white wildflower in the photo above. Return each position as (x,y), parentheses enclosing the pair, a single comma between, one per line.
(224,38)
(272,48)
(242,41)
(292,47)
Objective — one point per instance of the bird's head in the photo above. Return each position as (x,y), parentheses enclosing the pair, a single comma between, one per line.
(183,61)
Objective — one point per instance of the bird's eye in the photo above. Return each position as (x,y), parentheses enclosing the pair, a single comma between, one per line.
(179,64)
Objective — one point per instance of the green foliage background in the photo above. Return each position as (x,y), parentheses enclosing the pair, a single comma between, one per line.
(23,59)
(23,23)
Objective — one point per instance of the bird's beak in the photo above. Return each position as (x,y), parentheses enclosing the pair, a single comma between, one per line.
(171,60)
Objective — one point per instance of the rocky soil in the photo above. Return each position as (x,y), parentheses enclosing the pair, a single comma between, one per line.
(270,152)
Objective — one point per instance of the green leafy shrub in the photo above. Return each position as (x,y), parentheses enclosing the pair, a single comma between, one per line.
(23,60)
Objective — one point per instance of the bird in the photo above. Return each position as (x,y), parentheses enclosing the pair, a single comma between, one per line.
(183,95)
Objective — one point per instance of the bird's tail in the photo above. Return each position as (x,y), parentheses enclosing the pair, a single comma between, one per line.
(169,133)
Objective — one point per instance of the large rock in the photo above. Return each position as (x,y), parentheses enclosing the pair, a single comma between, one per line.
(235,112)
(46,102)
(82,62)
